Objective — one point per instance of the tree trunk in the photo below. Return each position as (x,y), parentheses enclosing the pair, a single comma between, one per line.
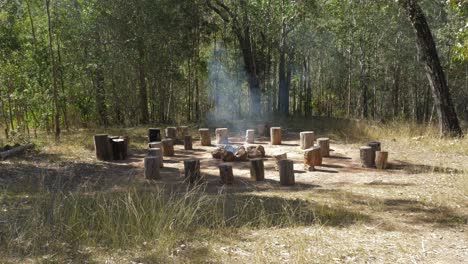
(54,76)
(143,93)
(448,121)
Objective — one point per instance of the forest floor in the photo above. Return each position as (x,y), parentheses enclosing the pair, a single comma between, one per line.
(416,211)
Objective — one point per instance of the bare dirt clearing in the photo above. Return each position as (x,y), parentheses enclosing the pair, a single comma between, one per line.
(416,211)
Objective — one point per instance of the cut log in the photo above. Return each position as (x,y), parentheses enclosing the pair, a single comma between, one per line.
(225,172)
(168,147)
(308,159)
(250,136)
(313,157)
(275,133)
(375,145)
(192,171)
(367,155)
(156,152)
(381,158)
(278,157)
(261,130)
(171,132)
(324,144)
(15,150)
(103,148)
(152,168)
(155,145)
(307,139)
(188,143)
(241,154)
(182,131)
(286,172)
(118,149)
(218,152)
(154,134)
(126,145)
(257,170)
(222,136)
(205,137)
(261,149)
(228,156)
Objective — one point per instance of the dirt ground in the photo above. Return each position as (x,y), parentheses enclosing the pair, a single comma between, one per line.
(413,212)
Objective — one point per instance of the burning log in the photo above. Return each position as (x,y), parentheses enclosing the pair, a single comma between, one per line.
(222,136)
(229,154)
(241,154)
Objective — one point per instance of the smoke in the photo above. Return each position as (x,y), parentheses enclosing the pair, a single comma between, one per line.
(228,86)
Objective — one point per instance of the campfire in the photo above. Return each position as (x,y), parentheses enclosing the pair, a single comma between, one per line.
(231,153)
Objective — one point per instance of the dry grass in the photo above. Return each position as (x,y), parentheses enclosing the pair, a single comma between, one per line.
(415,212)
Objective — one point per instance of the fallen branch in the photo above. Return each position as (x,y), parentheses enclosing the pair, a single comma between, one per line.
(14,151)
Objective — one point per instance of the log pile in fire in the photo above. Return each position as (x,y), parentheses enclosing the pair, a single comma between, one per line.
(229,153)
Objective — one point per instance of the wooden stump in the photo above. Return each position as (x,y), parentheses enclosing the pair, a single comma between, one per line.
(171,132)
(154,134)
(261,130)
(307,139)
(308,157)
(205,137)
(126,144)
(313,157)
(168,147)
(278,157)
(250,136)
(103,147)
(188,143)
(275,133)
(286,172)
(155,145)
(118,149)
(324,144)
(367,157)
(156,152)
(192,170)
(225,172)
(222,136)
(182,131)
(375,145)
(152,166)
(381,159)
(257,170)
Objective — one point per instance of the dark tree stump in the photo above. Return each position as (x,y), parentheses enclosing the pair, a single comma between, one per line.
(168,147)
(381,158)
(188,143)
(205,137)
(126,144)
(275,134)
(154,134)
(367,156)
(118,149)
(286,172)
(307,139)
(225,172)
(257,170)
(103,148)
(192,171)
(324,144)
(152,168)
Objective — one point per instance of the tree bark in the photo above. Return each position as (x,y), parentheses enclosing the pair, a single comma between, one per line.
(54,76)
(448,120)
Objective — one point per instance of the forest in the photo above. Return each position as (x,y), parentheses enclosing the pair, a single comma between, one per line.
(71,63)
(233,131)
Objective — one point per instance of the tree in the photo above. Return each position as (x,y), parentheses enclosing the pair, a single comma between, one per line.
(448,120)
